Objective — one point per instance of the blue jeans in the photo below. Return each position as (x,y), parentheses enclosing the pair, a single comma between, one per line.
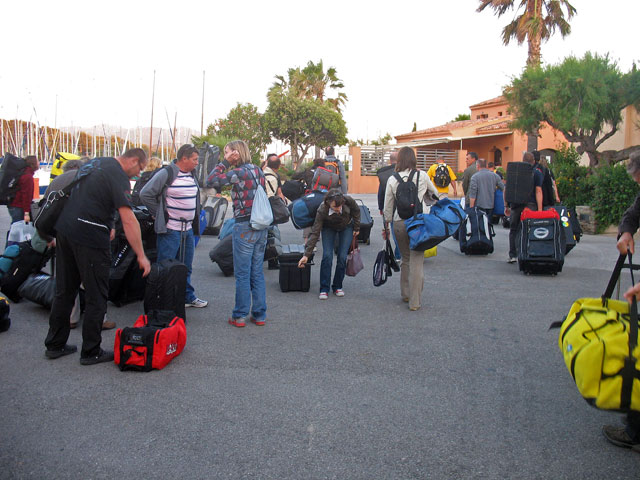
(248,259)
(169,248)
(16,214)
(329,236)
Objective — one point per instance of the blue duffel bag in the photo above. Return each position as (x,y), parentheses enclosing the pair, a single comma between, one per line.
(227,228)
(303,210)
(428,230)
(498,203)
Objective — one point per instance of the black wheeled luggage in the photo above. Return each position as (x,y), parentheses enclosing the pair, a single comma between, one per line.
(222,254)
(165,289)
(575,224)
(476,233)
(565,221)
(292,278)
(366,223)
(541,245)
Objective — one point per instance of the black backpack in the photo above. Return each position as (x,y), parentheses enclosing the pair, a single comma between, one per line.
(442,178)
(142,181)
(10,171)
(407,201)
(548,194)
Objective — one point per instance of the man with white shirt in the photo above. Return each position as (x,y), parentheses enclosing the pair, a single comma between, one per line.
(173,198)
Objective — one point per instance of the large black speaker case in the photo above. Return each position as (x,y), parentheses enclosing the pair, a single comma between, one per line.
(292,278)
(519,182)
(541,246)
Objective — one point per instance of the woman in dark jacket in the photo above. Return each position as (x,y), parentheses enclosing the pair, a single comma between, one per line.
(338,217)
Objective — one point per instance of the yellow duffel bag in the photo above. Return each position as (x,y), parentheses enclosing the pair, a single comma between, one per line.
(595,340)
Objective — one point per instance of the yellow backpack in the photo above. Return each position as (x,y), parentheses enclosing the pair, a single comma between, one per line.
(595,340)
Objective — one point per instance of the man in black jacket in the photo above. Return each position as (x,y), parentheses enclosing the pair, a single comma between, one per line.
(629,436)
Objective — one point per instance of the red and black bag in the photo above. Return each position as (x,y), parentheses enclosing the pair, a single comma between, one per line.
(146,346)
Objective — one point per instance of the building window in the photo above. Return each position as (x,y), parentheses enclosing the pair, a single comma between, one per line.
(481,116)
(499,114)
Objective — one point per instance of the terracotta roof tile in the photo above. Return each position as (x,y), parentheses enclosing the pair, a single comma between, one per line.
(499,99)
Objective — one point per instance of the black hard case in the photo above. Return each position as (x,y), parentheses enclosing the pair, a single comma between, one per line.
(292,278)
(519,183)
(165,289)
(541,246)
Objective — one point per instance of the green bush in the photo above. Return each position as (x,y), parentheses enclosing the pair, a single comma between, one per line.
(575,186)
(614,190)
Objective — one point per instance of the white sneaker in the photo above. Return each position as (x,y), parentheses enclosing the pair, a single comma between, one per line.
(339,292)
(512,260)
(197,303)
(323,295)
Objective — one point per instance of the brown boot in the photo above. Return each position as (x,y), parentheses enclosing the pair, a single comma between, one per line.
(108,325)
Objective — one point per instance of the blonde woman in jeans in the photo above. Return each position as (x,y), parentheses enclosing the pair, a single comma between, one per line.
(411,270)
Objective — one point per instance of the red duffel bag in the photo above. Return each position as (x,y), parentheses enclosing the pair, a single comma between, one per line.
(146,346)
(537,214)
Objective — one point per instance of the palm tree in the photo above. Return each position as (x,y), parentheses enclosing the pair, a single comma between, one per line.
(311,83)
(531,24)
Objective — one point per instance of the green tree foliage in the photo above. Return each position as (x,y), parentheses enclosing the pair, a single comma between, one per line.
(311,83)
(582,98)
(614,190)
(530,24)
(382,139)
(303,123)
(243,122)
(572,180)
(461,117)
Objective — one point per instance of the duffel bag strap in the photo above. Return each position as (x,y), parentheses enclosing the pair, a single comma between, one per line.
(615,275)
(629,369)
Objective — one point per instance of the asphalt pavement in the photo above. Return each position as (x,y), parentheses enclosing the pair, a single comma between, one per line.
(471,386)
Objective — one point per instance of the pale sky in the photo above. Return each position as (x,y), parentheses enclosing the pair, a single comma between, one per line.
(401,61)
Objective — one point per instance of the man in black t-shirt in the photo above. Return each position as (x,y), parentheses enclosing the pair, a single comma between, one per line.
(83,253)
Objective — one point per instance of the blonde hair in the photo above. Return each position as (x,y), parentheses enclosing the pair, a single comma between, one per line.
(242,148)
(154,164)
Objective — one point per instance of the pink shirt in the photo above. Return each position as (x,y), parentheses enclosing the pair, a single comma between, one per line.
(181,201)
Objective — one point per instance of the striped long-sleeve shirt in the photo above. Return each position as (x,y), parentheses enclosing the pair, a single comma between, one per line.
(181,201)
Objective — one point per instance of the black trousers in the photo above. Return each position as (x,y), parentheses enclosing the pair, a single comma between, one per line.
(514,218)
(633,426)
(77,264)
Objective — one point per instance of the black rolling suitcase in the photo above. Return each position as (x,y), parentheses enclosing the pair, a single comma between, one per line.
(366,222)
(476,233)
(165,289)
(292,278)
(222,254)
(541,243)
(565,221)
